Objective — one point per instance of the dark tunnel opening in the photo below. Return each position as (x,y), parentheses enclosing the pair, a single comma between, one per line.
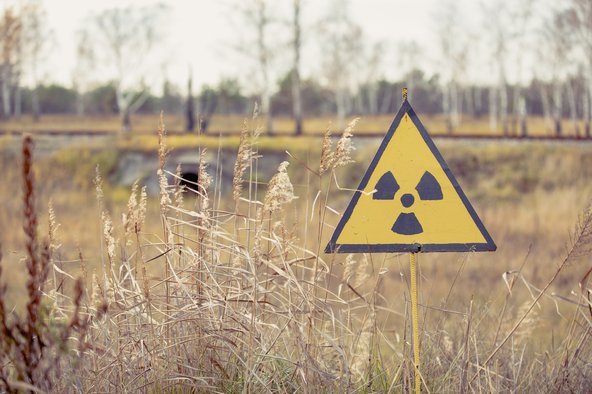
(189,181)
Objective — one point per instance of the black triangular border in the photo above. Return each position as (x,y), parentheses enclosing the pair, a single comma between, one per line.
(334,247)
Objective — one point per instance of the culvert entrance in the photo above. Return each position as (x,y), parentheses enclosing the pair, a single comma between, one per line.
(189,181)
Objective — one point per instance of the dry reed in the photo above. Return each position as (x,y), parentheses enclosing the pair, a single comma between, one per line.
(215,308)
(35,346)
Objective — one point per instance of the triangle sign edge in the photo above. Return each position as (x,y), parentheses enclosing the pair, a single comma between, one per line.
(332,245)
(411,248)
(489,245)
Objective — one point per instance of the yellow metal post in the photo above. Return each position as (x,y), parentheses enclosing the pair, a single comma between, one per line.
(414,319)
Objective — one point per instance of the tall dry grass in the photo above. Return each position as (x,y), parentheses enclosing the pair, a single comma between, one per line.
(32,343)
(239,300)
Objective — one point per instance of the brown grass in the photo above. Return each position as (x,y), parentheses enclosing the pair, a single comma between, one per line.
(232,296)
(32,342)
(144,124)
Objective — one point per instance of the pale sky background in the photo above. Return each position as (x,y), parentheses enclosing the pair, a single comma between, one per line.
(201,34)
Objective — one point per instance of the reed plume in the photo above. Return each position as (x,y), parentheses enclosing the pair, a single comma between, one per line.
(242,163)
(165,198)
(279,190)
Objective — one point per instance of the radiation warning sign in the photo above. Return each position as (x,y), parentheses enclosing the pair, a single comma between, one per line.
(409,200)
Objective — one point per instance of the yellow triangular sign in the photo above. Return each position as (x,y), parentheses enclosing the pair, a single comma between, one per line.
(408,200)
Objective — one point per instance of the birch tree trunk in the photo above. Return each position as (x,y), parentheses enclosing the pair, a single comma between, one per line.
(35,104)
(296,88)
(587,108)
(189,106)
(6,109)
(262,22)
(18,100)
(456,105)
(373,99)
(516,110)
(503,96)
(470,100)
(446,107)
(523,115)
(387,100)
(492,109)
(557,109)
(546,108)
(341,103)
(573,111)
(80,109)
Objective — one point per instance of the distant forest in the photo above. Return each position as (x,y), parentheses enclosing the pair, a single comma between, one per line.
(226,98)
(380,98)
(349,79)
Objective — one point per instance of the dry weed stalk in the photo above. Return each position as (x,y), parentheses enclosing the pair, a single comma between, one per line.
(581,242)
(133,220)
(279,190)
(109,240)
(165,202)
(165,198)
(53,247)
(228,316)
(98,182)
(179,188)
(204,180)
(34,347)
(344,148)
(331,160)
(53,226)
(243,161)
(326,152)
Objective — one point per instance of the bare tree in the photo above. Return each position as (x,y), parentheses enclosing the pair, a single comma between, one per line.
(373,77)
(124,39)
(497,20)
(408,62)
(581,19)
(454,51)
(554,53)
(85,60)
(190,105)
(35,42)
(521,20)
(571,90)
(256,34)
(297,46)
(341,45)
(262,21)
(10,39)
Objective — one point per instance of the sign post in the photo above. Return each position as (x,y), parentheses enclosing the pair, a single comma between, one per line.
(409,201)
(415,319)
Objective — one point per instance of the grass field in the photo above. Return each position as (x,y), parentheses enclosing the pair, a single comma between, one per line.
(144,124)
(230,292)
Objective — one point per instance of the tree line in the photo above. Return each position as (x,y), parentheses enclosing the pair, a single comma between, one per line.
(351,78)
(227,98)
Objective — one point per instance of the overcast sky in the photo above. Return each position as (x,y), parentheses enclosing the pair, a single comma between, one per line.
(201,35)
